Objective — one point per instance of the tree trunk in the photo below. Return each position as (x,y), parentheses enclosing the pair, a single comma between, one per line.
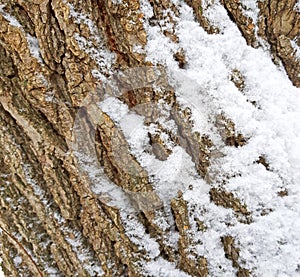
(78,197)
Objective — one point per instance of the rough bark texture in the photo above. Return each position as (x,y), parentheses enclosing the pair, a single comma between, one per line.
(278,24)
(51,222)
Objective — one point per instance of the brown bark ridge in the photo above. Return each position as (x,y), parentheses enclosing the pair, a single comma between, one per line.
(278,24)
(53,53)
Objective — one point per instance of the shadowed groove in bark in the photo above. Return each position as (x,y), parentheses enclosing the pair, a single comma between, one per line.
(189,261)
(22,249)
(244,23)
(34,188)
(198,9)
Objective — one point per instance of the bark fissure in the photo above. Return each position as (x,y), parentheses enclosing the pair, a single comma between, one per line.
(54,53)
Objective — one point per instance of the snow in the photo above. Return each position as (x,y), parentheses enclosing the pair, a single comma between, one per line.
(136,231)
(38,191)
(296,49)
(270,246)
(79,247)
(166,172)
(273,129)
(297,6)
(12,20)
(162,268)
(34,47)
(94,46)
(77,242)
(85,153)
(110,105)
(17,261)
(1,272)
(49,96)
(117,2)
(250,9)
(33,44)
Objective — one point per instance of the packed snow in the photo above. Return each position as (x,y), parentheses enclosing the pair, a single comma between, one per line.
(271,245)
(266,112)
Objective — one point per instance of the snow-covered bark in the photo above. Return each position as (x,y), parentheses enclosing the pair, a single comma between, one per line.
(149,138)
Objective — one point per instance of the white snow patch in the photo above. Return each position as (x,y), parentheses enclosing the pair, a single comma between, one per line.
(160,46)
(94,46)
(136,232)
(1,271)
(250,9)
(162,268)
(32,41)
(17,261)
(49,96)
(297,6)
(296,48)
(117,2)
(99,54)
(11,19)
(78,246)
(114,108)
(272,127)
(38,191)
(138,49)
(166,173)
(34,47)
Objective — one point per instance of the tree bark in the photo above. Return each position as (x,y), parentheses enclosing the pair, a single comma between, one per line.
(53,54)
